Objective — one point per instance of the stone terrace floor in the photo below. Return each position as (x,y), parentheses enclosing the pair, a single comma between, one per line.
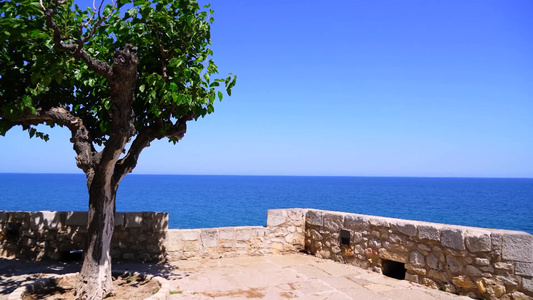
(289,276)
(259,277)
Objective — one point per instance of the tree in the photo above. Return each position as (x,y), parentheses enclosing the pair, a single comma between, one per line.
(128,71)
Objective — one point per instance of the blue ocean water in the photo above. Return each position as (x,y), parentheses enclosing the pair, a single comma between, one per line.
(213,201)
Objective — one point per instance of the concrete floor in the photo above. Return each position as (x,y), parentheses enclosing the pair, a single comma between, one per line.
(286,277)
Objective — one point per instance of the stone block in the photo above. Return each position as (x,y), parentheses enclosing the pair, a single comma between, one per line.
(417,259)
(527,284)
(504,266)
(478,240)
(429,231)
(379,221)
(243,234)
(453,264)
(134,220)
(276,217)
(453,238)
(226,234)
(407,228)
(434,262)
(191,246)
(190,234)
(315,218)
(473,271)
(356,222)
(159,221)
(463,282)
(258,232)
(517,246)
(333,222)
(209,238)
(394,256)
(524,269)
(119,219)
(45,219)
(76,218)
(482,261)
(411,277)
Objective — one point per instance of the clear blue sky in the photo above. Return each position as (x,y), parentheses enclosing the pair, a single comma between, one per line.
(357,88)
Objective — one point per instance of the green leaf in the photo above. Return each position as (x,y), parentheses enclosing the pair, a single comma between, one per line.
(141,88)
(220,95)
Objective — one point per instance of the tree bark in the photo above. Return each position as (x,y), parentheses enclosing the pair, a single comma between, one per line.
(95,281)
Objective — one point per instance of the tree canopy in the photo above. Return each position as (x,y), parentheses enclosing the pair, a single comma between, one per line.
(170,38)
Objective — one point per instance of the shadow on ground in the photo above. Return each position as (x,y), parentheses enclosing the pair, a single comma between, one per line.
(17,272)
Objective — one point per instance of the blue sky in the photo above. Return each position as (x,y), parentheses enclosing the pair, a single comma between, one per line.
(350,88)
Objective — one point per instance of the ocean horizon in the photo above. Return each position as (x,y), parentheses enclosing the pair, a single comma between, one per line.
(203,201)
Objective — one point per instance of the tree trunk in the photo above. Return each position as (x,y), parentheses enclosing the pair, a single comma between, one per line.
(95,281)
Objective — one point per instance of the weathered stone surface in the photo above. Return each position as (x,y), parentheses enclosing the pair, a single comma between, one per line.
(419,271)
(429,231)
(527,284)
(453,264)
(417,259)
(394,256)
(434,262)
(478,240)
(159,221)
(517,246)
(243,234)
(523,268)
(463,282)
(482,261)
(209,238)
(333,222)
(519,296)
(356,222)
(473,271)
(411,277)
(119,219)
(76,218)
(190,234)
(226,234)
(378,222)
(275,217)
(134,220)
(430,283)
(440,276)
(504,266)
(453,238)
(315,218)
(407,228)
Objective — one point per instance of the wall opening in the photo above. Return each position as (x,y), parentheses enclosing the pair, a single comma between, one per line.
(72,255)
(345,237)
(393,269)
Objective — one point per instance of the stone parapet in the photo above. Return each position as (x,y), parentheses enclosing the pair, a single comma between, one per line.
(60,234)
(478,262)
(284,233)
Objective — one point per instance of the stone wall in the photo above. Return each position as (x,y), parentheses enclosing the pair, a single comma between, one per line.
(478,262)
(57,235)
(284,233)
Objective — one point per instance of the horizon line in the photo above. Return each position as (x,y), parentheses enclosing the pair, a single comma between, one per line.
(272,175)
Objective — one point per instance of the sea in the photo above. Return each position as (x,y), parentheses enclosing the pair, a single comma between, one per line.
(195,201)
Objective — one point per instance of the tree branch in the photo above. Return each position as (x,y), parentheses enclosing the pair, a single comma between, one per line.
(143,140)
(87,156)
(100,67)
